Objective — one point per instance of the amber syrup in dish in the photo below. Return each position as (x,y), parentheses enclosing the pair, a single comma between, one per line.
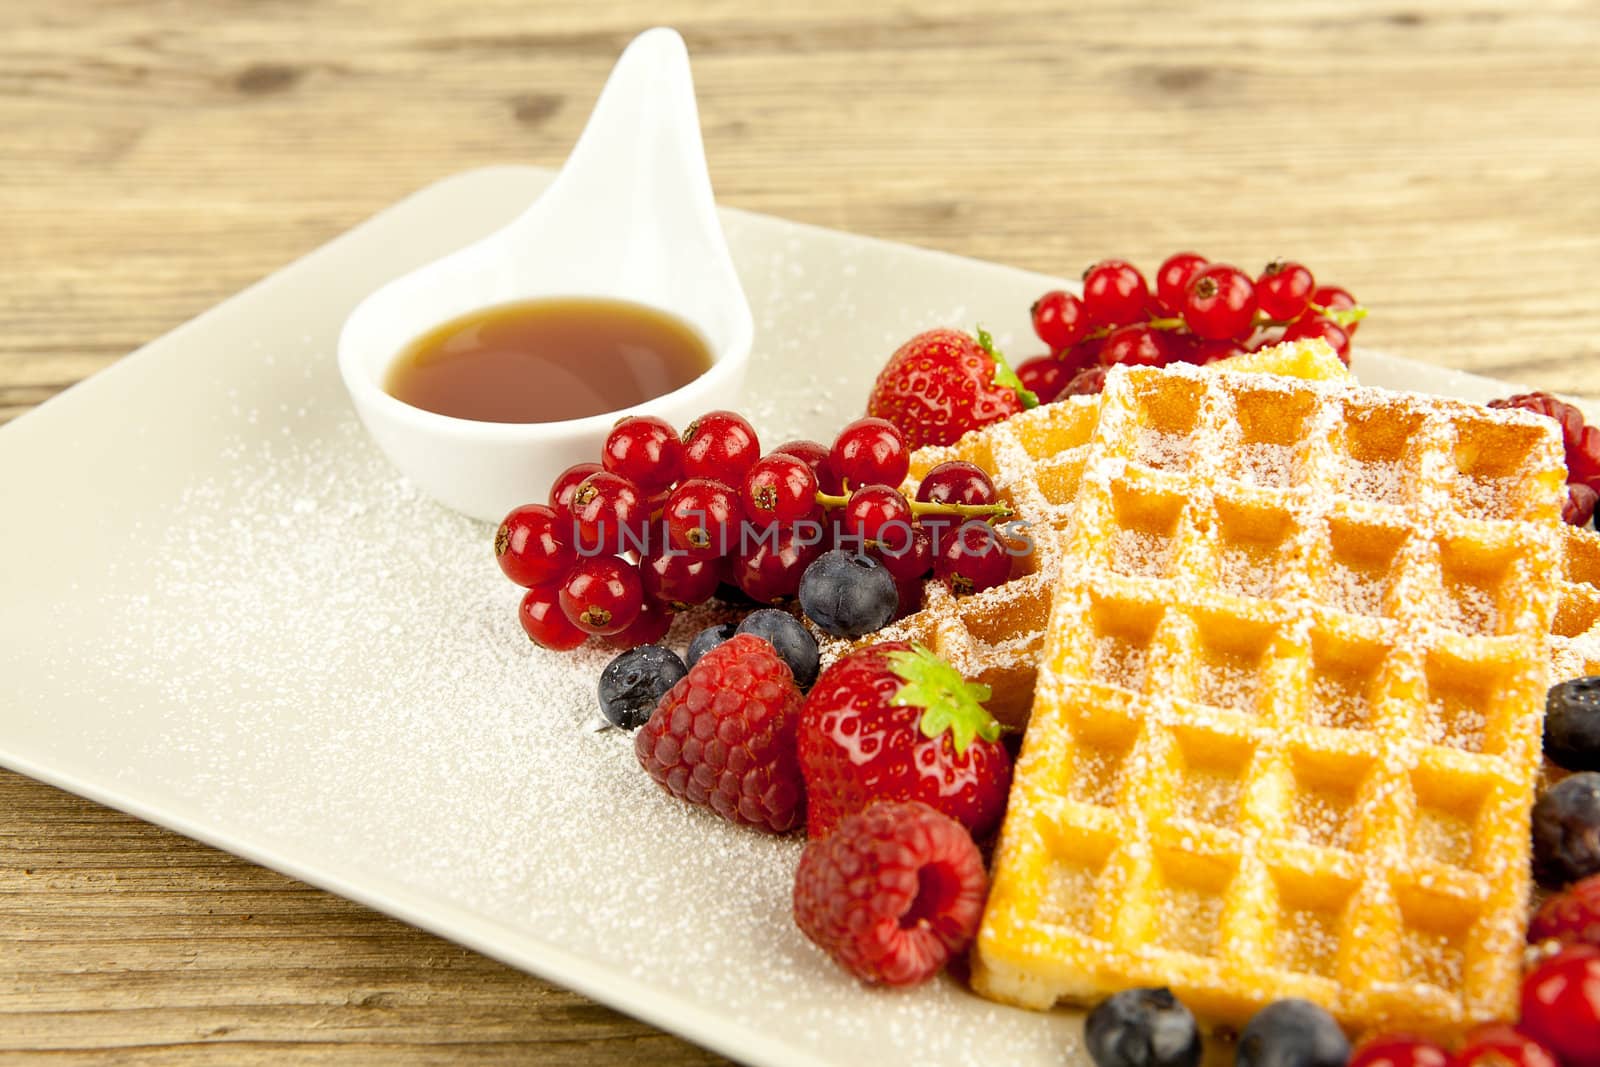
(547,360)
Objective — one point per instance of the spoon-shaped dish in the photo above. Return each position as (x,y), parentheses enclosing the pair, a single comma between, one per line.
(629,217)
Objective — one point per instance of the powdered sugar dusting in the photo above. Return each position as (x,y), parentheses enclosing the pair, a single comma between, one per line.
(320,618)
(1382,481)
(1140,553)
(1164,451)
(1265,464)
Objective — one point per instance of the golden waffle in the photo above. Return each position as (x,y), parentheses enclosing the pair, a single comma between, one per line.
(996,636)
(1287,726)
(1575,634)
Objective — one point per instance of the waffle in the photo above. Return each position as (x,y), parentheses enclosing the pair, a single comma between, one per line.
(1575,634)
(1287,725)
(996,636)
(1034,458)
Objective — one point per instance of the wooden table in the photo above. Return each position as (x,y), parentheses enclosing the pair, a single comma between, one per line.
(1438,159)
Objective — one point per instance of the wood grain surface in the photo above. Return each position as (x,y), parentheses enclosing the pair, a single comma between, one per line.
(1438,159)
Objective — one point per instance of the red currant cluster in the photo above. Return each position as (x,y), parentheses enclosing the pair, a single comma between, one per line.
(663,521)
(1198,312)
(1559,1027)
(1582,445)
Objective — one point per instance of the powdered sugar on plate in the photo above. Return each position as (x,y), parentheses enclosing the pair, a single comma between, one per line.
(338,653)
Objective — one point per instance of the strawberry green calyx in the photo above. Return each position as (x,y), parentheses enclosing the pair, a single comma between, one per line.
(1004,376)
(950,702)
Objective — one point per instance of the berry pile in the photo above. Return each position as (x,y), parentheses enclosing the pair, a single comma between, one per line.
(663,522)
(1582,443)
(891,761)
(1197,312)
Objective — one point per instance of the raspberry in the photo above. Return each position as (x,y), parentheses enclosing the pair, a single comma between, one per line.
(1573,915)
(724,737)
(893,893)
(1584,466)
(1579,506)
(1582,442)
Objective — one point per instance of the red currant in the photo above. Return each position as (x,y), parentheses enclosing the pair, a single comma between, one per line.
(1082,355)
(1203,352)
(1333,298)
(1088,380)
(1315,327)
(875,512)
(1172,280)
(1283,290)
(906,554)
(768,568)
(1058,320)
(870,451)
(1221,303)
(1502,1045)
(651,625)
(602,595)
(956,482)
(545,623)
(1045,376)
(646,451)
(720,445)
(909,593)
(1115,293)
(1561,1005)
(1397,1050)
(703,517)
(971,559)
(567,483)
(677,579)
(779,488)
(1137,345)
(531,546)
(609,514)
(815,454)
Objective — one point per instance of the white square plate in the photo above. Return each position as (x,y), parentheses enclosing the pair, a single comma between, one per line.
(222,611)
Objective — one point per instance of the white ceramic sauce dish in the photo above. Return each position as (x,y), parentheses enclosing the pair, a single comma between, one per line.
(629,217)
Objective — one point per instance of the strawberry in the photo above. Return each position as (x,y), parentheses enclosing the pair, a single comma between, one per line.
(942,383)
(893,721)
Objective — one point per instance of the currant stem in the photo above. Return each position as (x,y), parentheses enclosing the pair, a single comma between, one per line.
(926,507)
(1341,316)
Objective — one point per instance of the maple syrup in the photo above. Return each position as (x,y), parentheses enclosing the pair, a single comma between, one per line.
(548,359)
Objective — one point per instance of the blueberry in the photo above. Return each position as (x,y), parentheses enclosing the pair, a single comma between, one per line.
(848,594)
(707,639)
(1572,724)
(1292,1033)
(1566,830)
(794,643)
(634,682)
(1142,1028)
